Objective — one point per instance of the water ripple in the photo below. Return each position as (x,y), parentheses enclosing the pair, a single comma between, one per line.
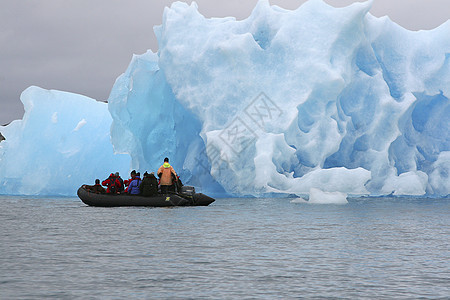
(236,248)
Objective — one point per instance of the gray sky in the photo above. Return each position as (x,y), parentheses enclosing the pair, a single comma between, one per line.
(82,46)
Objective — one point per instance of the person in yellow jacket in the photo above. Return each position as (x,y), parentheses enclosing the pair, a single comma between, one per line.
(165,177)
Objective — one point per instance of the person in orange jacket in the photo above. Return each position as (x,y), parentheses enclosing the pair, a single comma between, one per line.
(165,177)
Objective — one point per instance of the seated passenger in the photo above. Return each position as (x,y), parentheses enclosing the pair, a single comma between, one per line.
(133,188)
(97,188)
(149,185)
(128,181)
(120,180)
(113,184)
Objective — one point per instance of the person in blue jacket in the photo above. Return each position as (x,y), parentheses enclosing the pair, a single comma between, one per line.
(133,187)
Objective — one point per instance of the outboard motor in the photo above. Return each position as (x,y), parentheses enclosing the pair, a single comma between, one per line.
(188,190)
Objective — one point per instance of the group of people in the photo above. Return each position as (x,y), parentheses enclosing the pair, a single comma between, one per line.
(148,186)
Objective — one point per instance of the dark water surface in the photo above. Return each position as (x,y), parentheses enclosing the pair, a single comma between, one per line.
(234,249)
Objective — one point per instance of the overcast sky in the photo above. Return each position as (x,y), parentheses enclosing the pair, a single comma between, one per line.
(82,46)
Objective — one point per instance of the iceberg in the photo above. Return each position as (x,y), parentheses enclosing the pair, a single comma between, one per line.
(281,103)
(316,196)
(62,142)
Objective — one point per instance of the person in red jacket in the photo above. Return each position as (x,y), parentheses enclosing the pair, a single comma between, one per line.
(113,184)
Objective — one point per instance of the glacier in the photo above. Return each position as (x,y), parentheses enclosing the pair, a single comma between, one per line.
(281,103)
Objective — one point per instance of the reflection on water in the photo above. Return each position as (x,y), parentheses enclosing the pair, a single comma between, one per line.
(235,248)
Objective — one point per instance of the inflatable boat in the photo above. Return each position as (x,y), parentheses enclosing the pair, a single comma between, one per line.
(186,197)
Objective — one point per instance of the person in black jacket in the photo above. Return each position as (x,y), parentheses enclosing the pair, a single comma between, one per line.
(122,188)
(97,188)
(149,185)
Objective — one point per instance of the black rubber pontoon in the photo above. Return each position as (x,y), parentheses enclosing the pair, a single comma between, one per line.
(162,200)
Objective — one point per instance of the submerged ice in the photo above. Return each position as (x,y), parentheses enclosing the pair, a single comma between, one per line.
(282,102)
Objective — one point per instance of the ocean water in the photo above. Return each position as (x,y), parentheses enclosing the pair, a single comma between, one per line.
(373,248)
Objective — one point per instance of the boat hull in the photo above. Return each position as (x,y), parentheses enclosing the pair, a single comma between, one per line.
(162,200)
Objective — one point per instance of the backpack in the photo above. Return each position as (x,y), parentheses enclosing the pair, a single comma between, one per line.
(112,185)
(121,189)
